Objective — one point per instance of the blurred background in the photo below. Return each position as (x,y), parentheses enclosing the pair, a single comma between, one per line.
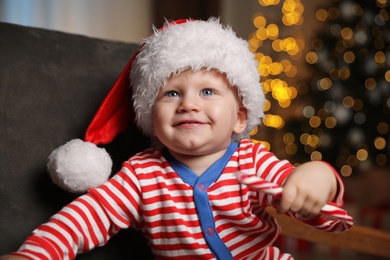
(325,67)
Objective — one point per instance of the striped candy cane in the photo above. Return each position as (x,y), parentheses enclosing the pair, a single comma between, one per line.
(333,218)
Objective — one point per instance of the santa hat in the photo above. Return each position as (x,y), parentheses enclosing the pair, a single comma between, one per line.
(178,46)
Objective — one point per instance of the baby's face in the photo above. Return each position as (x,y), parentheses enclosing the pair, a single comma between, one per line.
(196,113)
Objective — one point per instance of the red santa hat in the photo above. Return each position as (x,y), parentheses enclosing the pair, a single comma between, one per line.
(178,46)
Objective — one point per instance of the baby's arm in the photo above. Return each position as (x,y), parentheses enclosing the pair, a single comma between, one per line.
(308,188)
(89,221)
(78,227)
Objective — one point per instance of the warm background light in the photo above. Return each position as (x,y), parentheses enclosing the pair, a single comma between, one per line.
(340,110)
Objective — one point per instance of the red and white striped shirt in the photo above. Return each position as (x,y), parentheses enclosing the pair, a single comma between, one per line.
(181,214)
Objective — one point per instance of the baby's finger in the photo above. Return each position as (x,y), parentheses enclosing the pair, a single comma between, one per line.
(297,204)
(308,208)
(316,209)
(289,197)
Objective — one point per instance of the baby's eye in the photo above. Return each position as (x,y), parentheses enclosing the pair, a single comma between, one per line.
(172,93)
(206,92)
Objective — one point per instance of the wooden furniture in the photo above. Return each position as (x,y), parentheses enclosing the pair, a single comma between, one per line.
(358,238)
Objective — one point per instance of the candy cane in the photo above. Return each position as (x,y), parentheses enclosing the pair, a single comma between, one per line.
(333,218)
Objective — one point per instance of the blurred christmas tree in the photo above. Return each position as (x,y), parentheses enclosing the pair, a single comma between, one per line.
(346,101)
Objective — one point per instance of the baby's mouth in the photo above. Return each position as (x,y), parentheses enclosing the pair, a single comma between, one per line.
(188,123)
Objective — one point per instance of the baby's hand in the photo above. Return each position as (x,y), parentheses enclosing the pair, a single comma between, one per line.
(308,189)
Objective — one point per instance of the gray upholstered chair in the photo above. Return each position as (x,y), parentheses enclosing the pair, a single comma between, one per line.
(51,84)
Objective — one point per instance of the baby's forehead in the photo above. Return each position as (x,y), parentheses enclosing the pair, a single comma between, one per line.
(202,72)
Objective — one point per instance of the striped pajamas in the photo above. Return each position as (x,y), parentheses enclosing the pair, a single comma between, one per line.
(182,215)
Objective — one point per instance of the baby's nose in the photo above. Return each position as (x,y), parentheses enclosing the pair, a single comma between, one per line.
(189,103)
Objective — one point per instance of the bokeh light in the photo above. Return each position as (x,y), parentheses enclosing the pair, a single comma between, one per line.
(341,112)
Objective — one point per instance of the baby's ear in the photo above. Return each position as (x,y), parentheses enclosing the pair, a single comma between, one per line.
(241,123)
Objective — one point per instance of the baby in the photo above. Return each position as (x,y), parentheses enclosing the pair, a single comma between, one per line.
(196,94)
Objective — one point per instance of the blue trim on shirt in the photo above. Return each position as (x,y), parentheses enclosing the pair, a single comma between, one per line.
(200,186)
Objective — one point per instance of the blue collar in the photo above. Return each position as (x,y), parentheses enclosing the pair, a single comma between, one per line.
(209,176)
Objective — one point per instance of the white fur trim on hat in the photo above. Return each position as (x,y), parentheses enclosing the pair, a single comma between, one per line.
(195,45)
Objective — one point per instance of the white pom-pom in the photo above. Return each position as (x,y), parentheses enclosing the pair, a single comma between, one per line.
(77,166)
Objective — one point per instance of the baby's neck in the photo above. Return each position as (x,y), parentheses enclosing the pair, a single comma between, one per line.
(198,163)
